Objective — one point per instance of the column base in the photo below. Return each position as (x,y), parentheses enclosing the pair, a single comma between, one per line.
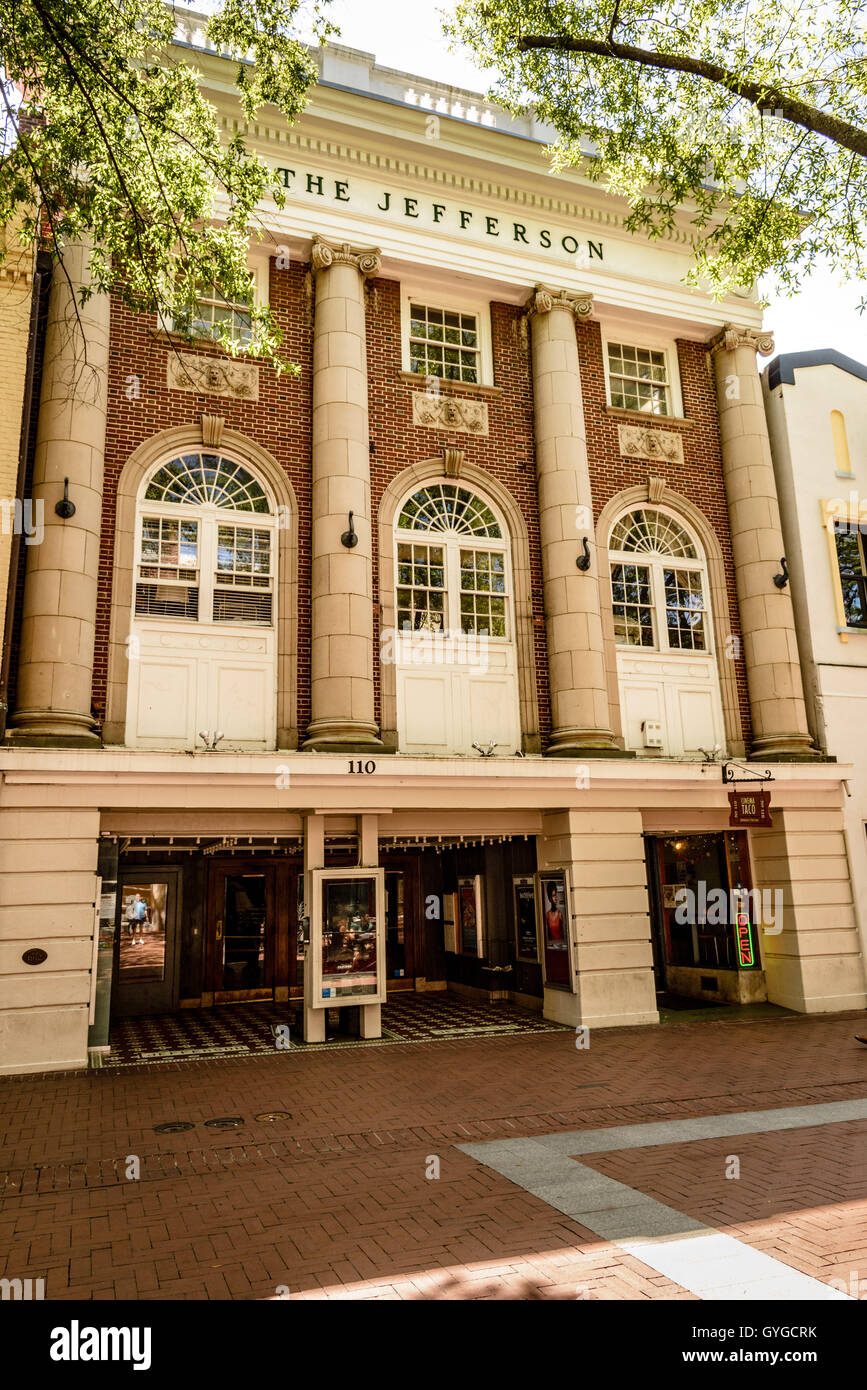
(589,743)
(342,736)
(786,748)
(36,728)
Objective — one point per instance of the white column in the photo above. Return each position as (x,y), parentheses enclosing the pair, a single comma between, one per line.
(776,692)
(342,657)
(576,661)
(55,675)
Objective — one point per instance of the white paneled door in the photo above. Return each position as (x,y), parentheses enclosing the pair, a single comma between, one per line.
(666,664)
(202,644)
(447,708)
(454,647)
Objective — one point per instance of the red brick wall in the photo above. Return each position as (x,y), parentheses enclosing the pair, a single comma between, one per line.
(279,421)
(507,452)
(699,477)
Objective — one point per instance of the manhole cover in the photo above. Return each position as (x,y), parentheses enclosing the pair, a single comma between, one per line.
(173,1127)
(225,1122)
(273,1115)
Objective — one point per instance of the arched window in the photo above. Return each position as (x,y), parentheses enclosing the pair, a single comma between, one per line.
(666,668)
(658,584)
(204,607)
(458,579)
(455,650)
(195,560)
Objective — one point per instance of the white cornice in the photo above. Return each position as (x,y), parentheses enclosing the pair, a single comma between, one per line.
(122,774)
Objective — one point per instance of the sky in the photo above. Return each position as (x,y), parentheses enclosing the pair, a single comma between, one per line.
(407,34)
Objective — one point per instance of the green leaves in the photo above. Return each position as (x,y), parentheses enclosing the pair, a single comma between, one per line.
(748,115)
(115,140)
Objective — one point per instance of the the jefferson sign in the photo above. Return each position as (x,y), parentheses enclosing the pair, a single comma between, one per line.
(509,228)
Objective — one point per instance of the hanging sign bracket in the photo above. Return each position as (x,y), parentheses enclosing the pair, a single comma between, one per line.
(729,769)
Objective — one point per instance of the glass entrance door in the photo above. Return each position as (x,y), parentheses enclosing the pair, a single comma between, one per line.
(146,942)
(242,935)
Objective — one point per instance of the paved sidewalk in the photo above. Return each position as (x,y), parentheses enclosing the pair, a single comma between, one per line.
(340,1199)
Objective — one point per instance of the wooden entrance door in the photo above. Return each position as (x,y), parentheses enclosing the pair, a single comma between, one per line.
(252,922)
(147,942)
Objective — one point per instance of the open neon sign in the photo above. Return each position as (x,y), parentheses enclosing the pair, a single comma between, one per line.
(746,953)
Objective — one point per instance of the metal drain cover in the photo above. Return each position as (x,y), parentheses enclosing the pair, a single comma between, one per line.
(225,1122)
(173,1127)
(273,1115)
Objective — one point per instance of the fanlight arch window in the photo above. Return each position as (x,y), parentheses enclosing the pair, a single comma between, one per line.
(658,584)
(193,479)
(200,554)
(458,578)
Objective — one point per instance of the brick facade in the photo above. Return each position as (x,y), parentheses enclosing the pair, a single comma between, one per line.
(699,477)
(507,452)
(279,421)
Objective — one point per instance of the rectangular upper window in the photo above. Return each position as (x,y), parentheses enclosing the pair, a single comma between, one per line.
(212,314)
(444,343)
(638,379)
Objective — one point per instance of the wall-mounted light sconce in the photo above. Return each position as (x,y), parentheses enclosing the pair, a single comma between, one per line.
(583,561)
(349,538)
(64,508)
(781,580)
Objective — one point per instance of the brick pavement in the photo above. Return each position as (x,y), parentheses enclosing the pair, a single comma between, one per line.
(335,1201)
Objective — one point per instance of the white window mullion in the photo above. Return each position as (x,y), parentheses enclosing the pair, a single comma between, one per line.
(208,532)
(453,585)
(657,588)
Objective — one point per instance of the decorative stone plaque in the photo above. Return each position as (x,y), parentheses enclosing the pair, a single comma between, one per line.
(213,376)
(439,412)
(639,442)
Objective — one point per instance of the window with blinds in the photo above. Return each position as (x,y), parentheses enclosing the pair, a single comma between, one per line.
(242,580)
(207,546)
(167,584)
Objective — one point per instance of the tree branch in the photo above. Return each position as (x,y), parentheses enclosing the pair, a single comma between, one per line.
(759,94)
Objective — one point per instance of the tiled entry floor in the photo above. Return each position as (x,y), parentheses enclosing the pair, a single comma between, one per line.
(234,1030)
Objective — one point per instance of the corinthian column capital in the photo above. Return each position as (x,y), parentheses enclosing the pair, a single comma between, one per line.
(367,260)
(544,299)
(731,337)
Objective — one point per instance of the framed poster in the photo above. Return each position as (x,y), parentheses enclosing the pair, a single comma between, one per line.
(347,937)
(469,923)
(526,934)
(554,911)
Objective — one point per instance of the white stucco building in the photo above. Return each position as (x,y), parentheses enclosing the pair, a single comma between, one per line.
(817,418)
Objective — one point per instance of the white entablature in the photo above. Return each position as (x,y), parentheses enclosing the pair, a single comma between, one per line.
(376,159)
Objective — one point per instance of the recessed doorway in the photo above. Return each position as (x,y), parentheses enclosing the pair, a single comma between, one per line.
(252,931)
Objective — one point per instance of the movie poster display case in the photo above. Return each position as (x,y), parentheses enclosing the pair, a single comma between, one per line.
(553,899)
(347,938)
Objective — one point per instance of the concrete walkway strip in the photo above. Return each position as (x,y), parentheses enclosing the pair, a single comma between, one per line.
(706,1262)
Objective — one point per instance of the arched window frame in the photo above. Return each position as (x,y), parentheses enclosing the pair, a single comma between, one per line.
(453,542)
(656,562)
(207,517)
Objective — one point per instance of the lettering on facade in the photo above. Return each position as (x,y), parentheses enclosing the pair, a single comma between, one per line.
(211,376)
(639,443)
(449,413)
(417,209)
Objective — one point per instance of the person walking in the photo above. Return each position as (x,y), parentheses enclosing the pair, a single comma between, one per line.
(138,918)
